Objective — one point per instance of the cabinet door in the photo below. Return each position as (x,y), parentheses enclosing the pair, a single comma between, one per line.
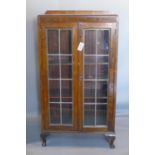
(58,76)
(97,76)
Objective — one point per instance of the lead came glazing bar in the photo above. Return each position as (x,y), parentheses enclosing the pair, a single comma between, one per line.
(58,54)
(96,78)
(96,104)
(60,81)
(62,102)
(97,54)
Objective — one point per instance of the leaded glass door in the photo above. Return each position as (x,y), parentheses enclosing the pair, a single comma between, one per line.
(78,84)
(61,62)
(95,75)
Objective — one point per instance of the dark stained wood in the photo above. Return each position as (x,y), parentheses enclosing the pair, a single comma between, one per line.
(49,19)
(112,79)
(43,77)
(77,21)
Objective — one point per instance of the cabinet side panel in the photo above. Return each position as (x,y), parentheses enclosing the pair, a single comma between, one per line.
(43,74)
(113,79)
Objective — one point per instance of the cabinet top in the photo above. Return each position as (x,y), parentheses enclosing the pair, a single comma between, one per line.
(79,12)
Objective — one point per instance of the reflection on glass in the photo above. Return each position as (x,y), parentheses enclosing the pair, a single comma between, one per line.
(55,113)
(66,113)
(89,113)
(65,42)
(106,41)
(90,41)
(53,41)
(102,41)
(101,114)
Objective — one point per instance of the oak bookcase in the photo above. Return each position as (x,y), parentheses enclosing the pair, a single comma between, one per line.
(78,67)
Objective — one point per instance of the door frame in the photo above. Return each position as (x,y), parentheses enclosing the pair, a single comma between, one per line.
(42,39)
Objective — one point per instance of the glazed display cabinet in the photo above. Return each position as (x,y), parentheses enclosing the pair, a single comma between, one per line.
(78,65)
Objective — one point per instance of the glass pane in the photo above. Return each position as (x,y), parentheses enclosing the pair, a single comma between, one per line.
(66,88)
(90,71)
(90,60)
(89,99)
(65,41)
(106,40)
(90,41)
(66,113)
(101,100)
(101,114)
(89,89)
(102,71)
(66,71)
(52,60)
(53,68)
(101,89)
(66,99)
(55,113)
(54,88)
(89,113)
(53,71)
(53,41)
(66,59)
(54,99)
(103,41)
(102,59)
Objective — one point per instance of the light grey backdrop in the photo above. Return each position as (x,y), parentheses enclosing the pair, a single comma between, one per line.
(36,7)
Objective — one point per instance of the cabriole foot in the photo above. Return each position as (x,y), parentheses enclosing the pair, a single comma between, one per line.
(110,137)
(43,138)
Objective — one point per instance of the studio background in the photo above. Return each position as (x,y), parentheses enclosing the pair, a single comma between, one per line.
(36,7)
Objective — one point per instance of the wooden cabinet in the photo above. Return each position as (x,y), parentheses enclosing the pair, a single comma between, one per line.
(78,65)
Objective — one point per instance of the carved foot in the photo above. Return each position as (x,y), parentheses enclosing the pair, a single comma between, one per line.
(110,137)
(43,138)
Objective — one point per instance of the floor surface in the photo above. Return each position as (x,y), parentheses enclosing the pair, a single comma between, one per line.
(78,144)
